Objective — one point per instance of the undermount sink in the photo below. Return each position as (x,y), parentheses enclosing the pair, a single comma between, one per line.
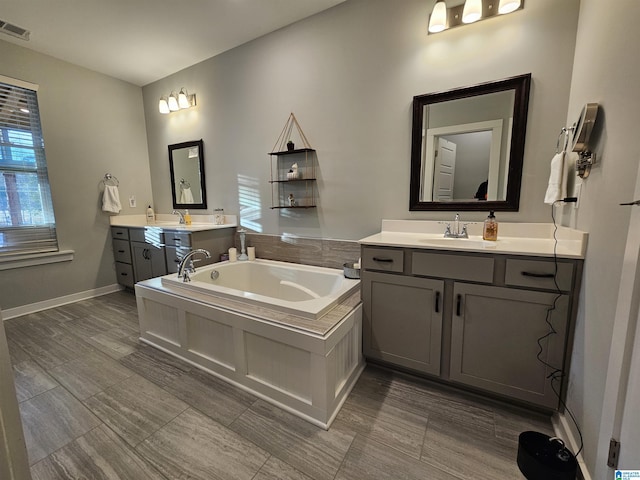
(460,242)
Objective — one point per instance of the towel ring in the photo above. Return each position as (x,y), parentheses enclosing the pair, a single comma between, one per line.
(564,132)
(110,180)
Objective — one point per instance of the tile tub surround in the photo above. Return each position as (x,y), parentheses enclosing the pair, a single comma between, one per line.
(532,239)
(319,252)
(362,443)
(304,365)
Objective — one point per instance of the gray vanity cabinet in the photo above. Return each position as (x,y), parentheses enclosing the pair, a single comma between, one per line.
(403,320)
(148,260)
(471,319)
(494,341)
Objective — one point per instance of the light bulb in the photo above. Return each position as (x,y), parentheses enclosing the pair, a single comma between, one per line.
(163,106)
(508,6)
(183,99)
(472,11)
(438,19)
(173,102)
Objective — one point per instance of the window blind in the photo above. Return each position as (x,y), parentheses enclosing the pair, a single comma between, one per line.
(27,221)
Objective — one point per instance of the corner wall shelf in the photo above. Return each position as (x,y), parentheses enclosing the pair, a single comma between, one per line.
(293,170)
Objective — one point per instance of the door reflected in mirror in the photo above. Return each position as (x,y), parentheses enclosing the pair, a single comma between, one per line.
(468,145)
(186,161)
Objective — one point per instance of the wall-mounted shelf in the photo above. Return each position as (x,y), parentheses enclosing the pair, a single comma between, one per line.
(292,187)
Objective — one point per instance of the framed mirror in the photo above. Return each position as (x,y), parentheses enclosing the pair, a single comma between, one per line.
(467,147)
(186,161)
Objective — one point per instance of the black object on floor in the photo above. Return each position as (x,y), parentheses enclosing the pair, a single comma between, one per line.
(541,457)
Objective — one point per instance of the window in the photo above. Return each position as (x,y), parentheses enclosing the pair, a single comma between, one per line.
(27,223)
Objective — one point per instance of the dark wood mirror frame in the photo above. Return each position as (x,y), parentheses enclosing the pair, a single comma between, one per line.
(521,84)
(175,188)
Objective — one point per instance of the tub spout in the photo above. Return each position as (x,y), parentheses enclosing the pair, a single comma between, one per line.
(185,268)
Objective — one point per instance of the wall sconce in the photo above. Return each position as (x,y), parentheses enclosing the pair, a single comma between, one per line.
(469,11)
(176,101)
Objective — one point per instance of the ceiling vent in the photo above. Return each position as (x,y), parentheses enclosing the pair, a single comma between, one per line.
(14,30)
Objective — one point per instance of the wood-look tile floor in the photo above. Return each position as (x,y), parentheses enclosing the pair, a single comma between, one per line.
(97,404)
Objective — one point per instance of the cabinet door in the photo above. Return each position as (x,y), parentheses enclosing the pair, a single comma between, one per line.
(148,261)
(494,341)
(402,320)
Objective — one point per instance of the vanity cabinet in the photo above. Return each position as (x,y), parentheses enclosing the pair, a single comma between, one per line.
(404,320)
(471,319)
(147,252)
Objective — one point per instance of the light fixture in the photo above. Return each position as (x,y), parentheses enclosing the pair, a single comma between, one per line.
(176,101)
(472,11)
(508,6)
(163,106)
(173,102)
(183,100)
(438,19)
(464,12)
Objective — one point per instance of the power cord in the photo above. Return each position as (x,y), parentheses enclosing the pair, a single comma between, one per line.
(557,374)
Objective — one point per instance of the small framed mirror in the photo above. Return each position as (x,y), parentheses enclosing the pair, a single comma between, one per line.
(468,146)
(186,161)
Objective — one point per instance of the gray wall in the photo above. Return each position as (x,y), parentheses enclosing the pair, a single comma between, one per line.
(92,124)
(350,74)
(604,69)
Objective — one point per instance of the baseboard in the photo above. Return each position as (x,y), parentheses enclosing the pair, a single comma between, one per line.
(59,301)
(563,430)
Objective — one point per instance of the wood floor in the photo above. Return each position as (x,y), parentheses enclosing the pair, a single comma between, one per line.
(97,404)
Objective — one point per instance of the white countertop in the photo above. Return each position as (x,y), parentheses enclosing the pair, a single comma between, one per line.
(166,221)
(535,239)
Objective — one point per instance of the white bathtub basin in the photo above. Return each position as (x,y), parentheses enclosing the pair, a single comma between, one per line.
(301,290)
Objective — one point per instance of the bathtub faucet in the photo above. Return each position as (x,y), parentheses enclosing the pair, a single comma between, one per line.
(185,268)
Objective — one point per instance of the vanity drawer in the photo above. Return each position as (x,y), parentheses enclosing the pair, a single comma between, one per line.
(177,239)
(383,259)
(152,235)
(124,271)
(458,267)
(538,274)
(120,232)
(121,250)
(174,256)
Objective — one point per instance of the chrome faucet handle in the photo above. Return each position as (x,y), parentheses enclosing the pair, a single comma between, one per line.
(186,277)
(447,230)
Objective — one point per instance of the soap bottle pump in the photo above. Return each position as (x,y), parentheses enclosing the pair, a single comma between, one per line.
(187,217)
(490,230)
(151,215)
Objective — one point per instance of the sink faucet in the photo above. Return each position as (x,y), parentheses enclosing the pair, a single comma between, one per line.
(185,268)
(179,213)
(456,232)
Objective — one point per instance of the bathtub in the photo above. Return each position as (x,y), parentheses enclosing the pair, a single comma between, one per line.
(288,333)
(301,290)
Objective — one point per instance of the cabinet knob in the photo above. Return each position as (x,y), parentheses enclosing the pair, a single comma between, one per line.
(383,259)
(458,305)
(437,302)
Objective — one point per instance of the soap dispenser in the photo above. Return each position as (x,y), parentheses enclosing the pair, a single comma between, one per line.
(151,215)
(187,217)
(490,231)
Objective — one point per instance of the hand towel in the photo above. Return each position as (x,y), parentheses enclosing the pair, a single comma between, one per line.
(557,188)
(186,196)
(111,199)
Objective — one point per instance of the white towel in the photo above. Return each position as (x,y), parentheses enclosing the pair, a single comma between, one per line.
(186,196)
(111,199)
(557,188)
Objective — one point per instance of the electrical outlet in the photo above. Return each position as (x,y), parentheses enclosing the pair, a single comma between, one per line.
(576,193)
(132,201)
